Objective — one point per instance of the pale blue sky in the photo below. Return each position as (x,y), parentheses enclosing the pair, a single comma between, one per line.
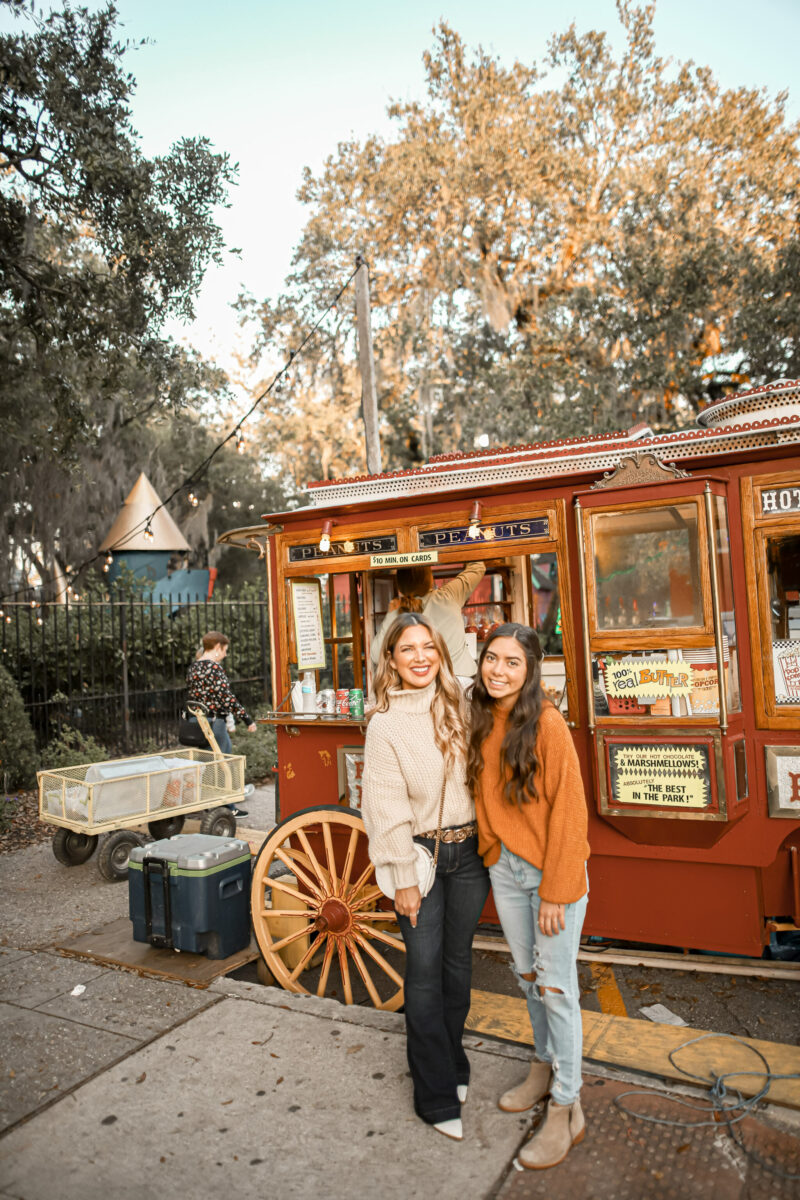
(277,85)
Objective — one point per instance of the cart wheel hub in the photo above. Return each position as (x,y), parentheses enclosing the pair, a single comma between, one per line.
(334,917)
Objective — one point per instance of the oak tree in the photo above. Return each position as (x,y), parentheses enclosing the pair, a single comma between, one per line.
(558,247)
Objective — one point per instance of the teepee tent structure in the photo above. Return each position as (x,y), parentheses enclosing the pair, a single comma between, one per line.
(128,531)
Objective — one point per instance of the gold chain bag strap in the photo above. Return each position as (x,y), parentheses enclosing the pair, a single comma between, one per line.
(424,863)
(439,822)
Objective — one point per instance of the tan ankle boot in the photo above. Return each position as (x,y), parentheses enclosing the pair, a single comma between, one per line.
(563,1126)
(529,1092)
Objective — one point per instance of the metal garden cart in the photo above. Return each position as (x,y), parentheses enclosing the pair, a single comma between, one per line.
(101,804)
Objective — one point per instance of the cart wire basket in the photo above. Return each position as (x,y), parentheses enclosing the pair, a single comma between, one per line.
(98,797)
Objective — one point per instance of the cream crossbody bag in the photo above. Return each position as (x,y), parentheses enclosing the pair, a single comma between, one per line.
(424,863)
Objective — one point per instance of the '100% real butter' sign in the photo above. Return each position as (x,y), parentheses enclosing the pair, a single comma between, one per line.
(648,677)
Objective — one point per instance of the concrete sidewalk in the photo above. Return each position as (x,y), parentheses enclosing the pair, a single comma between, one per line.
(136,1087)
(183,1092)
(141,1087)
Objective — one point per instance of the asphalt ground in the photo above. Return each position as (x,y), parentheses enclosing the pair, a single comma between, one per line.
(48,899)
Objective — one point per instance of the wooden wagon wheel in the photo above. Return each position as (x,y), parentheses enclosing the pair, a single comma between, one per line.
(335,901)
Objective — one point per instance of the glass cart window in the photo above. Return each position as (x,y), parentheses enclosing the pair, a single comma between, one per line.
(783,582)
(342,668)
(646,568)
(546,602)
(488,606)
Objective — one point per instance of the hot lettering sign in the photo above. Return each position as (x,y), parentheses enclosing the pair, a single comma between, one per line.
(777,501)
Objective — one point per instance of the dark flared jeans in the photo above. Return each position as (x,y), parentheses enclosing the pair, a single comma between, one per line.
(439,975)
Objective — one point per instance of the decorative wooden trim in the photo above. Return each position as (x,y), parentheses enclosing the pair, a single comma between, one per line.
(567,622)
(635,469)
(775,479)
(275,665)
(641,638)
(357,626)
(755,531)
(710,737)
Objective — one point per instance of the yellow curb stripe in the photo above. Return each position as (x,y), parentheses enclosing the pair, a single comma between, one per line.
(607,991)
(645,1046)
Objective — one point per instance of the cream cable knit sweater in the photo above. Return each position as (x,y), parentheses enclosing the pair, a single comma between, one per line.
(402,783)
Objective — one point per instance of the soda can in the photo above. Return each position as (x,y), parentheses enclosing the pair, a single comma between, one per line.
(343,702)
(356,702)
(326,701)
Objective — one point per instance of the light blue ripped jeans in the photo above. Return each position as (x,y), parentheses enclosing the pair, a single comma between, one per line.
(556,1015)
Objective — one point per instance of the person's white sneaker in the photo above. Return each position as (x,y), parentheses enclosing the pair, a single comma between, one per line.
(462,1090)
(452,1128)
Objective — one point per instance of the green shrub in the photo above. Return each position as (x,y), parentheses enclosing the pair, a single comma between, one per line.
(72,749)
(8,810)
(17,743)
(260,748)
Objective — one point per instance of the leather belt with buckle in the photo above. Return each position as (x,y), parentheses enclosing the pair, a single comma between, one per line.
(459,834)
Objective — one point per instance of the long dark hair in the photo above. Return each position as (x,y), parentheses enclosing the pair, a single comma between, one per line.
(518,751)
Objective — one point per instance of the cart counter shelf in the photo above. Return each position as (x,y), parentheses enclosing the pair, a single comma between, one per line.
(279,718)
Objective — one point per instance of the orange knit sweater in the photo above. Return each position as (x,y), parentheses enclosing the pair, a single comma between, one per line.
(549,832)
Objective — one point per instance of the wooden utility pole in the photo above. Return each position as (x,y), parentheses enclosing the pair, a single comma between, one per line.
(366,363)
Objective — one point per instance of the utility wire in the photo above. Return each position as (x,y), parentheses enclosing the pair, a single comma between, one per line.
(198,472)
(724,1104)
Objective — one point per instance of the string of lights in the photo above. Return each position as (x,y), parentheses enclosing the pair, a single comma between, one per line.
(68,578)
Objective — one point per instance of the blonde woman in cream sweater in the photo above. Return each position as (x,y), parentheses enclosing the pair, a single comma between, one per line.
(416,743)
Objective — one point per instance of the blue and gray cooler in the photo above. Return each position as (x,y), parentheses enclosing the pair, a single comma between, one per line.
(191,892)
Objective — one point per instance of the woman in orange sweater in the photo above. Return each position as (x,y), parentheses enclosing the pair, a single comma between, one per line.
(524,774)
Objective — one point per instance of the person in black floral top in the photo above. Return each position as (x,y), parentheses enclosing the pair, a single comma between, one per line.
(208,684)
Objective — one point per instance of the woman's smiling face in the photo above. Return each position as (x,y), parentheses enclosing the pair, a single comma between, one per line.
(415,657)
(504,670)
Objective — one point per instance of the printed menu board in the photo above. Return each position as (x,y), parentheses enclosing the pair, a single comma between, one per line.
(307,615)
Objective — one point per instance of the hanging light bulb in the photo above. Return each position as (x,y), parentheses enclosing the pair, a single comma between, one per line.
(241,442)
(193,500)
(149,536)
(109,559)
(474,530)
(325,537)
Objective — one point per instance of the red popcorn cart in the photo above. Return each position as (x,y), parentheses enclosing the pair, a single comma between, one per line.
(662,573)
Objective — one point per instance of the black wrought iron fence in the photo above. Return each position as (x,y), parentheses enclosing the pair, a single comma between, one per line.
(116,670)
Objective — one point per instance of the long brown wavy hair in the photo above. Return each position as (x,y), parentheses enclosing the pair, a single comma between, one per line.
(518,751)
(449,725)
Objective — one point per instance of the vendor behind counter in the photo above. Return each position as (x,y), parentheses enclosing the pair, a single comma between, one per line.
(442,606)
